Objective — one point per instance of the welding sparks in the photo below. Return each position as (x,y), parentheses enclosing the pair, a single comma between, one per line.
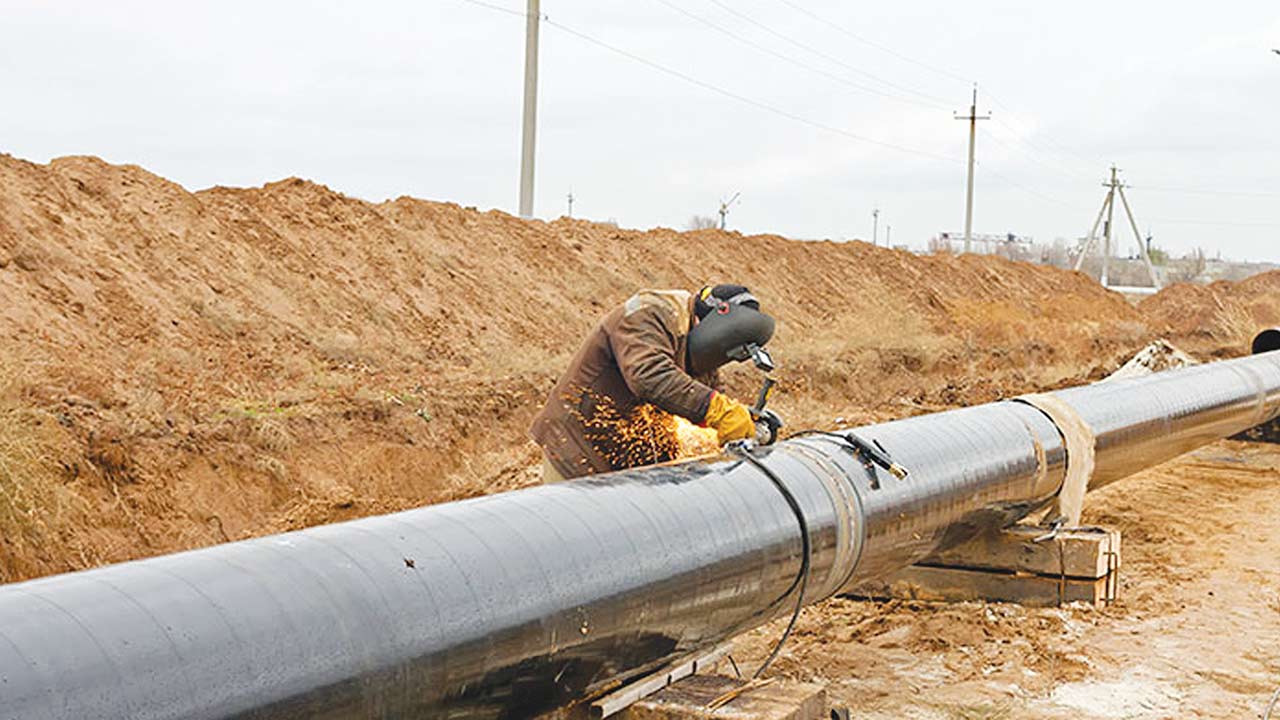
(640,435)
(694,440)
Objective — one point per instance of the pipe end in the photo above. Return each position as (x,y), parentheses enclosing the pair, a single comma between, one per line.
(1266,341)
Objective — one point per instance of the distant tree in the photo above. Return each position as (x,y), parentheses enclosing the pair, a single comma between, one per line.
(702,222)
(1199,263)
(1158,255)
(1058,254)
(1189,267)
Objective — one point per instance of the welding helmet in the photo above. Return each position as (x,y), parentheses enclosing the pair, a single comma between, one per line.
(730,328)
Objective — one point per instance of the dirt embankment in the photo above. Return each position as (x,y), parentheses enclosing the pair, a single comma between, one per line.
(1218,319)
(184,368)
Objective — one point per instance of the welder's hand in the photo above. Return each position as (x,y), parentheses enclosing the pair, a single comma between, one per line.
(729,418)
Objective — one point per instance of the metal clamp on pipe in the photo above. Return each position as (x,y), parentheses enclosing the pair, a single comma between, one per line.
(871,453)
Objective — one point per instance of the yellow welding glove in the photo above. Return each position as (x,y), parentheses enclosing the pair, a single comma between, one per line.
(729,418)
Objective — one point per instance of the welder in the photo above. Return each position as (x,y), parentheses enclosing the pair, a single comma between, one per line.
(658,351)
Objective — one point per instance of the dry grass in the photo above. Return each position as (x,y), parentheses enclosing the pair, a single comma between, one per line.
(35,501)
(1234,323)
(271,434)
(35,504)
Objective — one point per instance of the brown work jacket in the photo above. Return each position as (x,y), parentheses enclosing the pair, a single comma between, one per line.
(600,415)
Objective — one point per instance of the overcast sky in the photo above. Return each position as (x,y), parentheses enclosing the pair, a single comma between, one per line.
(381,99)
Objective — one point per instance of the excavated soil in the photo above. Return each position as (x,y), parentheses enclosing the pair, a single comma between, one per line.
(183,368)
(1216,319)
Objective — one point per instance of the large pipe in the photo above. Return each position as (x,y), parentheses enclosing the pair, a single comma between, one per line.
(505,605)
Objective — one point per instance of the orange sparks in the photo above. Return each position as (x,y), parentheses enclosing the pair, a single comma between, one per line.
(640,435)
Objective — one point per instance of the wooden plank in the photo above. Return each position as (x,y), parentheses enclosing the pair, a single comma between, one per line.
(688,700)
(1078,552)
(618,700)
(946,584)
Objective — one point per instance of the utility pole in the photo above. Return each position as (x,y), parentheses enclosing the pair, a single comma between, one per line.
(973,117)
(888,235)
(570,203)
(875,226)
(529,131)
(1115,188)
(1106,231)
(724,208)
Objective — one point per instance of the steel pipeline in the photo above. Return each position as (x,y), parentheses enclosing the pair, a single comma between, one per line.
(505,605)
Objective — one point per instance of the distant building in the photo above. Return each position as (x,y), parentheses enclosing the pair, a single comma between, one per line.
(1010,245)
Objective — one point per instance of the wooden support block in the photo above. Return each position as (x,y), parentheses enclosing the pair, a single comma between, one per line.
(1077,565)
(948,584)
(1078,552)
(689,698)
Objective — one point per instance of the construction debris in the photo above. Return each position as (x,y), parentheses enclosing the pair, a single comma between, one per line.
(1156,357)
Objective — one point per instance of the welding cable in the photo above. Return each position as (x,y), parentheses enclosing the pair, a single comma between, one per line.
(812,432)
(734,664)
(845,441)
(802,579)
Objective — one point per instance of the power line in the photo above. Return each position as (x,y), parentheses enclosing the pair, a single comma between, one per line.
(830,58)
(1192,191)
(1021,137)
(743,99)
(793,61)
(1223,223)
(1017,147)
(499,8)
(718,90)
(883,48)
(1170,221)
(986,170)
(892,146)
(1037,159)
(1050,147)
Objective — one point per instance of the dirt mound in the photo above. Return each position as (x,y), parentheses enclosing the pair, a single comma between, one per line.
(192,367)
(1220,318)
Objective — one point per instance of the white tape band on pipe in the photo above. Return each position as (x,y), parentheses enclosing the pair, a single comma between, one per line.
(1080,443)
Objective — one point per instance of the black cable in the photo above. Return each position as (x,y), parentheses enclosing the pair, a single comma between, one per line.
(734,663)
(810,432)
(802,578)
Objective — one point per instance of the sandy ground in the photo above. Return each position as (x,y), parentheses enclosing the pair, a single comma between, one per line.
(1194,634)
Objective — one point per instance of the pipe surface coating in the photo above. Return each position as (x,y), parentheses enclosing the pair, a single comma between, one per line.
(506,605)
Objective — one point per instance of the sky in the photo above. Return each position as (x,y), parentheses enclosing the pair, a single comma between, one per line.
(651,111)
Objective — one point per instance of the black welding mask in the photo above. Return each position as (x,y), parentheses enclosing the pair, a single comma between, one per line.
(730,328)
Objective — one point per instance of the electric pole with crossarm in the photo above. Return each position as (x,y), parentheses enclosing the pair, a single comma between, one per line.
(973,117)
(528,131)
